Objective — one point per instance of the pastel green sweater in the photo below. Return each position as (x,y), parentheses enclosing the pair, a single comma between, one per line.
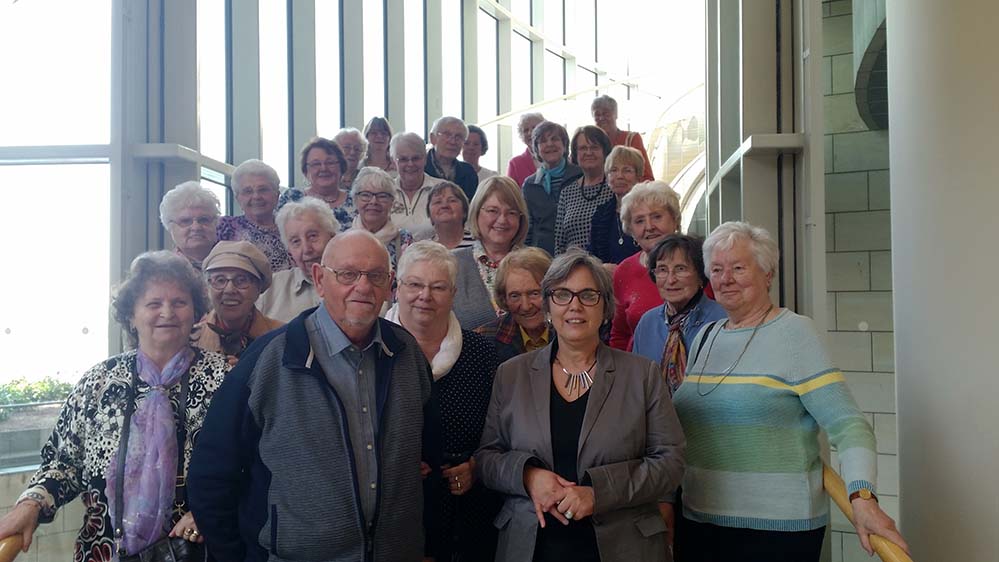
(752,436)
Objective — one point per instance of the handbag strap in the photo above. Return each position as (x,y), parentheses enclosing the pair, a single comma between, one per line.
(700,344)
(181,495)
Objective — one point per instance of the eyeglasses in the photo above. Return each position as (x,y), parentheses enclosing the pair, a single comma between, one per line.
(367,196)
(562,297)
(624,170)
(409,159)
(493,213)
(351,148)
(515,298)
(186,222)
(453,137)
(241,281)
(437,289)
(588,148)
(250,191)
(351,276)
(329,164)
(680,271)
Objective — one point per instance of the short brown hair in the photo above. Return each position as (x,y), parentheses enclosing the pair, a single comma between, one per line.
(327,145)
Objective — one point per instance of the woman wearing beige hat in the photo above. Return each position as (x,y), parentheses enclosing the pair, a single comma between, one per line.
(237,272)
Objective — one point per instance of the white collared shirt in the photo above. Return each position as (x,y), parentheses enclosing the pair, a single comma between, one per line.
(290,293)
(410,213)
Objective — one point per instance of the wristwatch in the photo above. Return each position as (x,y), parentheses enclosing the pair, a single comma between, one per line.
(863,494)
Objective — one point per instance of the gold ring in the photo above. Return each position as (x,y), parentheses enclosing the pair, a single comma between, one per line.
(188,532)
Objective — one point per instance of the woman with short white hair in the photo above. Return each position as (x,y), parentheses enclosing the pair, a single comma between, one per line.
(759,388)
(257,188)
(373,193)
(190,213)
(353,145)
(463,365)
(649,213)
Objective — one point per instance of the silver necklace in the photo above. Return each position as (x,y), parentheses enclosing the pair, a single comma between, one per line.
(731,367)
(580,381)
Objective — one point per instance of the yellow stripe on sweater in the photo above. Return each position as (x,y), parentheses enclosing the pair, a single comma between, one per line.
(831,377)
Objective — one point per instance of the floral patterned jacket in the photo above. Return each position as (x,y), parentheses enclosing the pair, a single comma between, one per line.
(85,442)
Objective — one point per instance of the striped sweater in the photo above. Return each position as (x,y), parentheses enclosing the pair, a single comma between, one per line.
(753,435)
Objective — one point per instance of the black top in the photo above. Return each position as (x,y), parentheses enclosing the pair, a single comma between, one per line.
(606,234)
(577,541)
(464,174)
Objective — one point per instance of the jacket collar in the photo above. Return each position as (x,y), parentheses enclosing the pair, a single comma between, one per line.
(299,356)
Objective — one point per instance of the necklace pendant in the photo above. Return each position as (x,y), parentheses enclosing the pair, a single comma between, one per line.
(620,241)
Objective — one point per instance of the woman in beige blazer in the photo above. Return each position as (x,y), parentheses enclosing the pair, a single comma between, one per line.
(581,438)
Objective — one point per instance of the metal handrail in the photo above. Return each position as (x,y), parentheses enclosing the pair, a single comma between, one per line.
(10,547)
(887,550)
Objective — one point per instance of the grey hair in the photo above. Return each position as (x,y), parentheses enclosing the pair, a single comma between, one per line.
(149,267)
(448,120)
(408,140)
(186,195)
(653,194)
(295,209)
(605,102)
(763,246)
(433,253)
(254,167)
(563,266)
(351,131)
(373,175)
(529,116)
(456,190)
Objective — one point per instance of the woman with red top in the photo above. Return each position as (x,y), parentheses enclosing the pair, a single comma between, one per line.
(649,212)
(604,111)
(524,165)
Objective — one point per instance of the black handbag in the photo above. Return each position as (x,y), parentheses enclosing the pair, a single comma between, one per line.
(167,549)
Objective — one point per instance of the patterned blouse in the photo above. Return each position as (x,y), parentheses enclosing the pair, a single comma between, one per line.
(344,214)
(268,240)
(85,442)
(574,215)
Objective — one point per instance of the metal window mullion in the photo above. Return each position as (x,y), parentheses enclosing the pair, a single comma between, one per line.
(244,80)
(433,57)
(301,78)
(352,59)
(504,85)
(470,60)
(395,62)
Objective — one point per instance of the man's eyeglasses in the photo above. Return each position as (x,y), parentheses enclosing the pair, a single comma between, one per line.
(351,276)
(562,297)
(186,222)
(453,137)
(241,281)
(367,196)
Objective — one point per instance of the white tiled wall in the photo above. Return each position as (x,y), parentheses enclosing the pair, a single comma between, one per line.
(858,264)
(52,542)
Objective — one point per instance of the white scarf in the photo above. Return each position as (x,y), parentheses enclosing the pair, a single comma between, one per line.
(450,349)
(386,235)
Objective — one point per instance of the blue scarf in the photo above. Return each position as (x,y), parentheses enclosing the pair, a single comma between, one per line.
(555,173)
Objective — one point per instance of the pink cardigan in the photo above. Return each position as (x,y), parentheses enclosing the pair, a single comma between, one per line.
(636,294)
(521,167)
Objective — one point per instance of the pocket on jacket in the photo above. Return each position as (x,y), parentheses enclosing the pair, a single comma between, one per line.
(274,529)
(503,518)
(650,525)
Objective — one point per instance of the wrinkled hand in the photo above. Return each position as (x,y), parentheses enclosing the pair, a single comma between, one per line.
(22,520)
(869,519)
(232,360)
(546,489)
(425,470)
(668,513)
(187,529)
(460,478)
(578,502)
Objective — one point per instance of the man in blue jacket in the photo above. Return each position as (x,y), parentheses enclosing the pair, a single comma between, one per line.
(311,449)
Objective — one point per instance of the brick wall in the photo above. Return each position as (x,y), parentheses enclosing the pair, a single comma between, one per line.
(858,261)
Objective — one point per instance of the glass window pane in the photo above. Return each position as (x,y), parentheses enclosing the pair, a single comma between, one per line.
(212,106)
(521,9)
(60,76)
(554,75)
(416,120)
(554,27)
(451,58)
(79,279)
(488,98)
(274,87)
(215,182)
(327,67)
(581,32)
(520,94)
(374,60)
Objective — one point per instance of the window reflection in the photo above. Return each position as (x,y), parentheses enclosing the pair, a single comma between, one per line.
(274,87)
(451,58)
(327,68)
(212,107)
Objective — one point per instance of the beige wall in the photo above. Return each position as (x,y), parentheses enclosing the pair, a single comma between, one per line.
(944,90)
(52,542)
(858,263)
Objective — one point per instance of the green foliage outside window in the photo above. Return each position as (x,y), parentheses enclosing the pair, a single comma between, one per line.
(21,391)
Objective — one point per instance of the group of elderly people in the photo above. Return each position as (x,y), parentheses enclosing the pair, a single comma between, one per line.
(638,396)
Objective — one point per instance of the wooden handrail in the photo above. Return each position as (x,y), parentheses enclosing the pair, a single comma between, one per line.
(887,550)
(10,547)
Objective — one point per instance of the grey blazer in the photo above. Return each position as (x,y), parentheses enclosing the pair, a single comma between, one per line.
(631,446)
(473,305)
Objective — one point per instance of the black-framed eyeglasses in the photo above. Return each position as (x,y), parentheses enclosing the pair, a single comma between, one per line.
(562,297)
(351,276)
(219,281)
(367,196)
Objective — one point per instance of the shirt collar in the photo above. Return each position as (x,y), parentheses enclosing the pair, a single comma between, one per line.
(334,338)
(300,280)
(528,339)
